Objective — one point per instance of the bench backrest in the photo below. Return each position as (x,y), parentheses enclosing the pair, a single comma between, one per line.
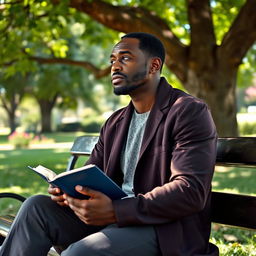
(229,209)
(234,209)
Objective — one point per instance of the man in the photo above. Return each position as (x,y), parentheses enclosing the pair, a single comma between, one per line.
(161,149)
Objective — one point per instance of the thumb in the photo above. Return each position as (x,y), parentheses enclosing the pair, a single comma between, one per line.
(88,191)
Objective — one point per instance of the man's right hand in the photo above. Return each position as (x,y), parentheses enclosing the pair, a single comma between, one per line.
(56,195)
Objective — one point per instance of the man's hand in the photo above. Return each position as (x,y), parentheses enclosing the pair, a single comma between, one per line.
(97,210)
(56,195)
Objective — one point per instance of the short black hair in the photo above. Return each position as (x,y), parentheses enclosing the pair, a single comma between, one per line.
(149,43)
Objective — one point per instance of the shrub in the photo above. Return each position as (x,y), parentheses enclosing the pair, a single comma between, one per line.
(70,127)
(247,128)
(92,127)
(20,139)
(41,139)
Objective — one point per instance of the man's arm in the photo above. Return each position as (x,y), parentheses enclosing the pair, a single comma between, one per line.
(191,171)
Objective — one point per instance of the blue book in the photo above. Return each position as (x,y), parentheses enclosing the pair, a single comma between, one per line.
(87,176)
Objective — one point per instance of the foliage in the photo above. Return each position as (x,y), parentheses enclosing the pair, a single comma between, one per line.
(23,139)
(201,37)
(39,28)
(20,139)
(233,241)
(41,139)
(247,69)
(247,128)
(93,124)
(12,91)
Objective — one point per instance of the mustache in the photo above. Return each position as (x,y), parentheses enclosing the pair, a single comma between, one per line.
(119,74)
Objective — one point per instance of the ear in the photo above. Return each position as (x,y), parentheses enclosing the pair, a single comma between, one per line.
(155,65)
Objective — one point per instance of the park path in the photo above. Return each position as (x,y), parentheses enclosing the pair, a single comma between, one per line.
(58,145)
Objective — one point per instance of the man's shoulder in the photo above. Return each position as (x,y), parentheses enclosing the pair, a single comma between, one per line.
(177,96)
(117,115)
(185,98)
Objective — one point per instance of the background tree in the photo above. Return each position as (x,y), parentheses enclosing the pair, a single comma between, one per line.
(59,86)
(12,91)
(36,36)
(206,41)
(204,61)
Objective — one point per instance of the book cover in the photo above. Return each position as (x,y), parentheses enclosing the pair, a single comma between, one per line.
(87,176)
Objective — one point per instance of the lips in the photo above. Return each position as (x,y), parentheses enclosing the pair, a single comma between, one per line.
(116,79)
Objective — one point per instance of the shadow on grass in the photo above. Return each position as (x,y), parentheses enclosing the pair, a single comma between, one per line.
(3,139)
(16,177)
(235,180)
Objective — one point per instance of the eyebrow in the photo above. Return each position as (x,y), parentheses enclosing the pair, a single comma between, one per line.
(121,52)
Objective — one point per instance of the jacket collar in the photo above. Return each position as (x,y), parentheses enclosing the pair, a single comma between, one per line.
(163,95)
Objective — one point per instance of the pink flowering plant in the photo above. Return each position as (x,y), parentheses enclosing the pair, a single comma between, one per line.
(38,139)
(20,139)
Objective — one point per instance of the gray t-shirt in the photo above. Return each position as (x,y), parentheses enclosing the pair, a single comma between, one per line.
(131,149)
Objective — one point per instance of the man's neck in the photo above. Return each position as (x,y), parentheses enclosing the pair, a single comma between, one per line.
(144,100)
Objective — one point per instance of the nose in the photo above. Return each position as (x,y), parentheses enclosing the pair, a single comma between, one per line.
(116,66)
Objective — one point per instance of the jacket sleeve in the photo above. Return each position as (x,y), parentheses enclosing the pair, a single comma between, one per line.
(191,170)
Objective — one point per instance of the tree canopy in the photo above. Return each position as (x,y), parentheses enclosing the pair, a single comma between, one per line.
(206,41)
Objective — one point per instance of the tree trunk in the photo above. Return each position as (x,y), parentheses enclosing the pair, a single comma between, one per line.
(206,70)
(12,121)
(217,88)
(10,108)
(46,107)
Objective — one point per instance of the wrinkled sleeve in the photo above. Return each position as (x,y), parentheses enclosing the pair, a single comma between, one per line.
(191,170)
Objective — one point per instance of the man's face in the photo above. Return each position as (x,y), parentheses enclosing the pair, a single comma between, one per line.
(129,69)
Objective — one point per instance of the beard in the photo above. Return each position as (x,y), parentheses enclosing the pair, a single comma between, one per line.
(137,81)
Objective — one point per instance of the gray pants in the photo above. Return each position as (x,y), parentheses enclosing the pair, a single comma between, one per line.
(41,224)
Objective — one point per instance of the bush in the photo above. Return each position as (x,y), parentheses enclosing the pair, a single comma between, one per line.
(92,124)
(70,127)
(92,127)
(247,128)
(20,139)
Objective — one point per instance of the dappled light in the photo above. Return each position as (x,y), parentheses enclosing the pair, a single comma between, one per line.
(234,180)
(55,76)
(16,189)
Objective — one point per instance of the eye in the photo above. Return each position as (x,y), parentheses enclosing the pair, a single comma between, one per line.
(112,61)
(125,58)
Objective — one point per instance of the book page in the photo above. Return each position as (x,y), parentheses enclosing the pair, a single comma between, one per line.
(74,170)
(49,174)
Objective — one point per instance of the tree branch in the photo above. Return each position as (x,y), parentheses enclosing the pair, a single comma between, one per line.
(201,25)
(129,19)
(98,73)
(241,35)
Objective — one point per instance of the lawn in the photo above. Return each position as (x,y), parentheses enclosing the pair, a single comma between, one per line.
(16,177)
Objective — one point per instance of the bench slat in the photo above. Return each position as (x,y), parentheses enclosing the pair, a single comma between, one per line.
(237,151)
(234,209)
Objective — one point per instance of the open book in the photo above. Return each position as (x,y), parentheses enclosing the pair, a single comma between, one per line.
(87,176)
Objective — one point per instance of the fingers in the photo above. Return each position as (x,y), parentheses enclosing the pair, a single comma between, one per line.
(54,190)
(88,191)
(56,195)
(97,210)
(73,203)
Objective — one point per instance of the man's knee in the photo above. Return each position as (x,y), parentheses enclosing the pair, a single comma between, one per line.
(36,200)
(87,246)
(74,249)
(34,203)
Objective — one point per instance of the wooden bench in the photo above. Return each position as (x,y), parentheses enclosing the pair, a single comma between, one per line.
(228,209)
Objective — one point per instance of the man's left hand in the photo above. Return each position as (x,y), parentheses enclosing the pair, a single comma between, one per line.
(97,210)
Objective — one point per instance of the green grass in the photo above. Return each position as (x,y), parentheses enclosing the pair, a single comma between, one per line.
(234,241)
(16,177)
(57,137)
